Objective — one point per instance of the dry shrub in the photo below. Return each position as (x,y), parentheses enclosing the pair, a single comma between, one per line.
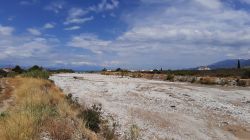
(207,81)
(133,134)
(147,76)
(40,107)
(241,82)
(136,75)
(60,129)
(170,77)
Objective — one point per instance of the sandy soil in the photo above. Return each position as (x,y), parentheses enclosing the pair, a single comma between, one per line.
(165,110)
(5,95)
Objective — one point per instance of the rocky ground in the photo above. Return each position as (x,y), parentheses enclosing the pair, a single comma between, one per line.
(165,110)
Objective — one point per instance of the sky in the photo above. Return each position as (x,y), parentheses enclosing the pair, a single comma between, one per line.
(131,34)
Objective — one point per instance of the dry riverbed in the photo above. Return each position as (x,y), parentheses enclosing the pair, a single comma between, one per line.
(165,110)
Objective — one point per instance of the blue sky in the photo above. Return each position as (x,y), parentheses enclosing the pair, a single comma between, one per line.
(133,34)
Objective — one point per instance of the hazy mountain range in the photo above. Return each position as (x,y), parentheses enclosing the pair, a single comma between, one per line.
(230,63)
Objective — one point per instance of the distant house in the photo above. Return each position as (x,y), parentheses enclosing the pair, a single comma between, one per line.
(7,70)
(204,68)
(2,73)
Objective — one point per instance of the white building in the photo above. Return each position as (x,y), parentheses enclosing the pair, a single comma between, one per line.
(204,68)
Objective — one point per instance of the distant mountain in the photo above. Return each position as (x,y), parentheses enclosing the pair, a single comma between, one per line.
(231,63)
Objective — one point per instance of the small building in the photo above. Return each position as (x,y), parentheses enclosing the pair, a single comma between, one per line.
(204,68)
(7,70)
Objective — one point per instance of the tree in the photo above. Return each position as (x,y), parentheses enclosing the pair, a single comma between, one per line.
(35,67)
(18,69)
(238,64)
(118,69)
(104,69)
(155,70)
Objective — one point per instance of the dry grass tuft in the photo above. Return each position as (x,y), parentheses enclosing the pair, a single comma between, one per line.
(40,107)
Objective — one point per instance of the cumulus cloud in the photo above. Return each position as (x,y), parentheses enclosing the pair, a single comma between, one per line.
(34,31)
(89,42)
(6,30)
(49,26)
(176,34)
(25,50)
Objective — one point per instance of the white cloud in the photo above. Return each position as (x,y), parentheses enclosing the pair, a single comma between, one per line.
(6,30)
(212,4)
(83,63)
(78,20)
(25,50)
(72,28)
(76,13)
(49,26)
(55,6)
(79,15)
(90,42)
(34,31)
(105,5)
(176,34)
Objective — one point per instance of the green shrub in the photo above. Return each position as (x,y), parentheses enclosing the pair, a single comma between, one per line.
(170,77)
(40,74)
(246,74)
(17,69)
(92,117)
(12,74)
(35,68)
(62,71)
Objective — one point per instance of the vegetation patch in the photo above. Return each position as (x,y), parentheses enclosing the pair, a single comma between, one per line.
(39,108)
(41,74)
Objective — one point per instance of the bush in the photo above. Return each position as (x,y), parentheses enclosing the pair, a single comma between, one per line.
(92,117)
(133,134)
(12,74)
(62,71)
(170,77)
(104,69)
(2,73)
(246,75)
(17,69)
(207,81)
(193,80)
(118,69)
(40,74)
(241,83)
(35,68)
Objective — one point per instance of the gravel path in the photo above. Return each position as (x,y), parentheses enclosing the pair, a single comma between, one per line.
(165,110)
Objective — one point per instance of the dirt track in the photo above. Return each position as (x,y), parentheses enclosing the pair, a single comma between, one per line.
(165,110)
(5,95)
